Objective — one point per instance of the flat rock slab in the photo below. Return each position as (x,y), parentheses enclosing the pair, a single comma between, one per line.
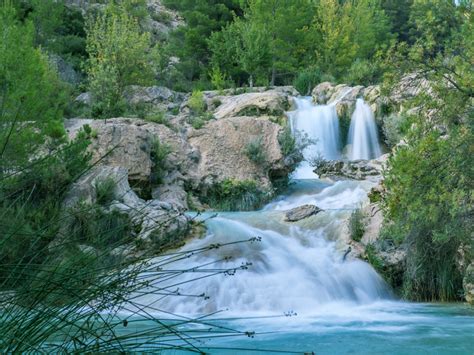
(301,212)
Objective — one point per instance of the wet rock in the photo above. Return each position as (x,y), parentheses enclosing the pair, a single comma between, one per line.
(356,169)
(301,212)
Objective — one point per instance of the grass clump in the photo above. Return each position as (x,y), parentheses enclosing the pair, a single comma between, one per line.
(236,195)
(158,154)
(357,224)
(104,191)
(255,151)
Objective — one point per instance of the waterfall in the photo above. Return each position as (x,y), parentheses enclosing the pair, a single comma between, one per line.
(363,139)
(320,124)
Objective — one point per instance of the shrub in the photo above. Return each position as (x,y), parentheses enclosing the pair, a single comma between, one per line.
(235,195)
(394,127)
(158,154)
(287,141)
(255,151)
(104,190)
(307,80)
(362,72)
(218,78)
(357,224)
(196,102)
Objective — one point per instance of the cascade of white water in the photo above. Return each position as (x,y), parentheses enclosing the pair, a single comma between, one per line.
(320,124)
(363,138)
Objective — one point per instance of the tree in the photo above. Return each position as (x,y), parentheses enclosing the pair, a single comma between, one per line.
(429,180)
(31,95)
(119,55)
(190,43)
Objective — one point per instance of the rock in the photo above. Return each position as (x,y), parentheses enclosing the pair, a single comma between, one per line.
(344,97)
(155,220)
(85,99)
(159,96)
(128,143)
(301,212)
(410,86)
(468,284)
(65,70)
(268,103)
(356,169)
(222,144)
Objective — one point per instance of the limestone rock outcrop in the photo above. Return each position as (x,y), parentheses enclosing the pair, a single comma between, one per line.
(222,144)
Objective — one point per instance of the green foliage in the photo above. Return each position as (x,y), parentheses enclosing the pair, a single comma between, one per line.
(428,200)
(218,78)
(236,195)
(196,102)
(255,151)
(395,126)
(307,80)
(104,190)
(357,224)
(363,72)
(31,94)
(119,55)
(190,42)
(287,141)
(158,154)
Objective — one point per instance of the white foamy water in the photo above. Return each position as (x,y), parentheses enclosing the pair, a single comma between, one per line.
(363,138)
(318,123)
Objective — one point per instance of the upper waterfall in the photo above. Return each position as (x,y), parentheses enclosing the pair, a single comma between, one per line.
(320,124)
(363,138)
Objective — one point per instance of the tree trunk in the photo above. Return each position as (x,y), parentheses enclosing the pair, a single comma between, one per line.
(251,81)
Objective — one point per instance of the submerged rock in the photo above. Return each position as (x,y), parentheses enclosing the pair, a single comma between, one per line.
(301,212)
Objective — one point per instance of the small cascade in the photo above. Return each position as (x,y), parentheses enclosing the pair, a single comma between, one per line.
(320,124)
(363,138)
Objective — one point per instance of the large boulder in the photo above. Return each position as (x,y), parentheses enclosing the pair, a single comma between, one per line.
(222,145)
(270,103)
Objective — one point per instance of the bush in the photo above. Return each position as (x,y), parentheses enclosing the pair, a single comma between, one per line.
(287,141)
(235,195)
(362,72)
(307,80)
(158,154)
(196,102)
(255,151)
(394,128)
(357,224)
(104,191)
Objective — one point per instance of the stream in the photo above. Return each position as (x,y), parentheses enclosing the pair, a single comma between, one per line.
(292,285)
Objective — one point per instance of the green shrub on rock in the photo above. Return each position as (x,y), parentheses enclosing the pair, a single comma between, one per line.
(236,195)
